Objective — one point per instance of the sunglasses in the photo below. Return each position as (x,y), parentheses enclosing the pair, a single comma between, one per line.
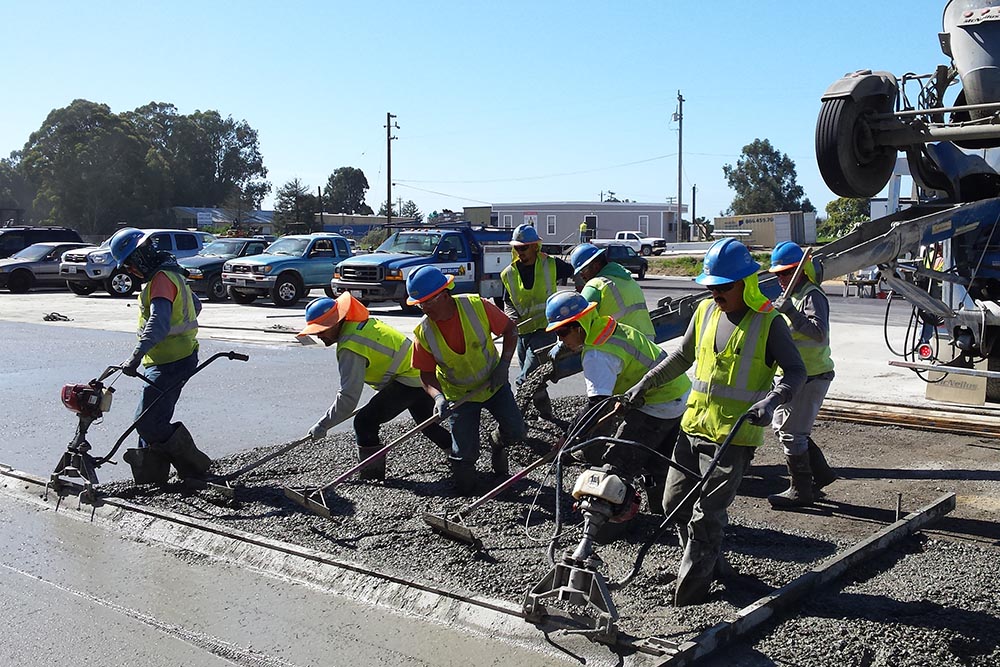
(562,332)
(720,289)
(785,272)
(519,249)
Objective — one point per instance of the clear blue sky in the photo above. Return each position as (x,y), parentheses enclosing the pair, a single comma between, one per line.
(497,102)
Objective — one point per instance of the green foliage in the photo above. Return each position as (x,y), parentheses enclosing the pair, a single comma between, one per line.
(294,203)
(843,215)
(345,191)
(374,238)
(765,181)
(411,211)
(691,265)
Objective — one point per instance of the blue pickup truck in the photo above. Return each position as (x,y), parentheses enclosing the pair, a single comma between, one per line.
(287,269)
(475,256)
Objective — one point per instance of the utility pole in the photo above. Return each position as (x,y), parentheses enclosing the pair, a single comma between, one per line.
(399,206)
(389,127)
(694,192)
(679,117)
(319,202)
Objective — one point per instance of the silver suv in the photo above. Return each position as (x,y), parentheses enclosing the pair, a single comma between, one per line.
(87,269)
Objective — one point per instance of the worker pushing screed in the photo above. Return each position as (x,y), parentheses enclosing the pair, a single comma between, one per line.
(370,352)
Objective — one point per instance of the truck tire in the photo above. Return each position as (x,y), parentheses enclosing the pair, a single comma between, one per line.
(80,289)
(286,291)
(646,250)
(121,284)
(850,161)
(330,292)
(19,282)
(241,298)
(216,290)
(642,273)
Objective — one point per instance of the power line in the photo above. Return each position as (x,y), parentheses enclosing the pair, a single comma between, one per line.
(443,194)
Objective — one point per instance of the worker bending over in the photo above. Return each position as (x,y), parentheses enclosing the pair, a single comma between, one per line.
(370,352)
(807,311)
(458,361)
(611,286)
(735,342)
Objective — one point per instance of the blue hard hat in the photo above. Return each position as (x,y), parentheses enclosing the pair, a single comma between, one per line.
(786,255)
(425,283)
(124,242)
(726,261)
(525,235)
(564,307)
(583,254)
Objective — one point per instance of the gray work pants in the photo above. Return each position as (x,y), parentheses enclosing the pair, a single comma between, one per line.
(705,516)
(793,421)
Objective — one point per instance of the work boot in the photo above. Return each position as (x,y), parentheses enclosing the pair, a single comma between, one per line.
(799,492)
(376,469)
(149,466)
(499,459)
(696,573)
(656,484)
(189,461)
(464,476)
(823,474)
(543,404)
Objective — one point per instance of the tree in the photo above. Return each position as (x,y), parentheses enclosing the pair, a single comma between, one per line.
(411,211)
(385,209)
(294,203)
(764,181)
(843,215)
(15,191)
(345,191)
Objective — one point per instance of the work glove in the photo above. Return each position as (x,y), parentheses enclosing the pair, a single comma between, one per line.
(762,411)
(318,431)
(783,305)
(635,396)
(441,407)
(500,375)
(131,367)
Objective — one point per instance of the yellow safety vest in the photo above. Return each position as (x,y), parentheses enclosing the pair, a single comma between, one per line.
(388,352)
(622,299)
(815,354)
(727,383)
(458,373)
(182,339)
(530,304)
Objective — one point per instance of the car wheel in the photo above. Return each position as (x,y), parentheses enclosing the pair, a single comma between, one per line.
(120,284)
(646,251)
(642,272)
(286,292)
(242,298)
(19,282)
(851,162)
(80,289)
(216,289)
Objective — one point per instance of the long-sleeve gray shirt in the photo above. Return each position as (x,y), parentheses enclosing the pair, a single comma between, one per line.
(352,367)
(812,318)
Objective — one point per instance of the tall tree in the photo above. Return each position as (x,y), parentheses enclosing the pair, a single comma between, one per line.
(764,180)
(843,215)
(411,211)
(294,203)
(345,191)
(15,191)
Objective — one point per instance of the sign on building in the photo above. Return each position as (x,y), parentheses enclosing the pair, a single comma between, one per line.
(204,219)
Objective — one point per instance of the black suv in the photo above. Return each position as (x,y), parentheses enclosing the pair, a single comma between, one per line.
(13,239)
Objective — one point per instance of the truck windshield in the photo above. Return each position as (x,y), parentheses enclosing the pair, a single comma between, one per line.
(287,246)
(411,243)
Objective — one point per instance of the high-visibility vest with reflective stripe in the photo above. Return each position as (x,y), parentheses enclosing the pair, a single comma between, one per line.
(815,354)
(639,355)
(458,373)
(622,299)
(727,383)
(530,303)
(182,339)
(388,352)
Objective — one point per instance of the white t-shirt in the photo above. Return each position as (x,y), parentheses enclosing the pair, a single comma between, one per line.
(600,373)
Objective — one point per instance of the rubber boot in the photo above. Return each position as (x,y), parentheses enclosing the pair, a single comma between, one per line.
(464,477)
(499,460)
(376,469)
(799,492)
(149,466)
(191,463)
(654,493)
(823,474)
(543,404)
(696,573)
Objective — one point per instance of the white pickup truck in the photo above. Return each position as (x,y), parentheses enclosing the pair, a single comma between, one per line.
(642,244)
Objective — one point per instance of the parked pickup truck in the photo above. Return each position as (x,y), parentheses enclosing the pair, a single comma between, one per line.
(287,269)
(642,244)
(475,256)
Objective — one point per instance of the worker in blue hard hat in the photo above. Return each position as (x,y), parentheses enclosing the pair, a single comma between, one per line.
(371,352)
(462,371)
(168,351)
(528,281)
(807,311)
(615,357)
(611,286)
(735,341)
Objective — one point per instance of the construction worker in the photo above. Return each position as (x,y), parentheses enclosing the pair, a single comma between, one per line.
(735,342)
(458,361)
(583,232)
(933,261)
(615,357)
(370,352)
(528,282)
(168,350)
(611,286)
(806,309)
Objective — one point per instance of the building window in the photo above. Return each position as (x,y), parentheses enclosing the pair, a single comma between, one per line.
(550,225)
(644,225)
(508,221)
(671,228)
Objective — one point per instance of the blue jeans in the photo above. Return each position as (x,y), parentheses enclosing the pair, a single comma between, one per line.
(155,427)
(528,346)
(465,419)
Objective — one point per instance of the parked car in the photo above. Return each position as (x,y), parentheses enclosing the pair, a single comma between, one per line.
(628,258)
(205,268)
(34,266)
(87,269)
(13,239)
